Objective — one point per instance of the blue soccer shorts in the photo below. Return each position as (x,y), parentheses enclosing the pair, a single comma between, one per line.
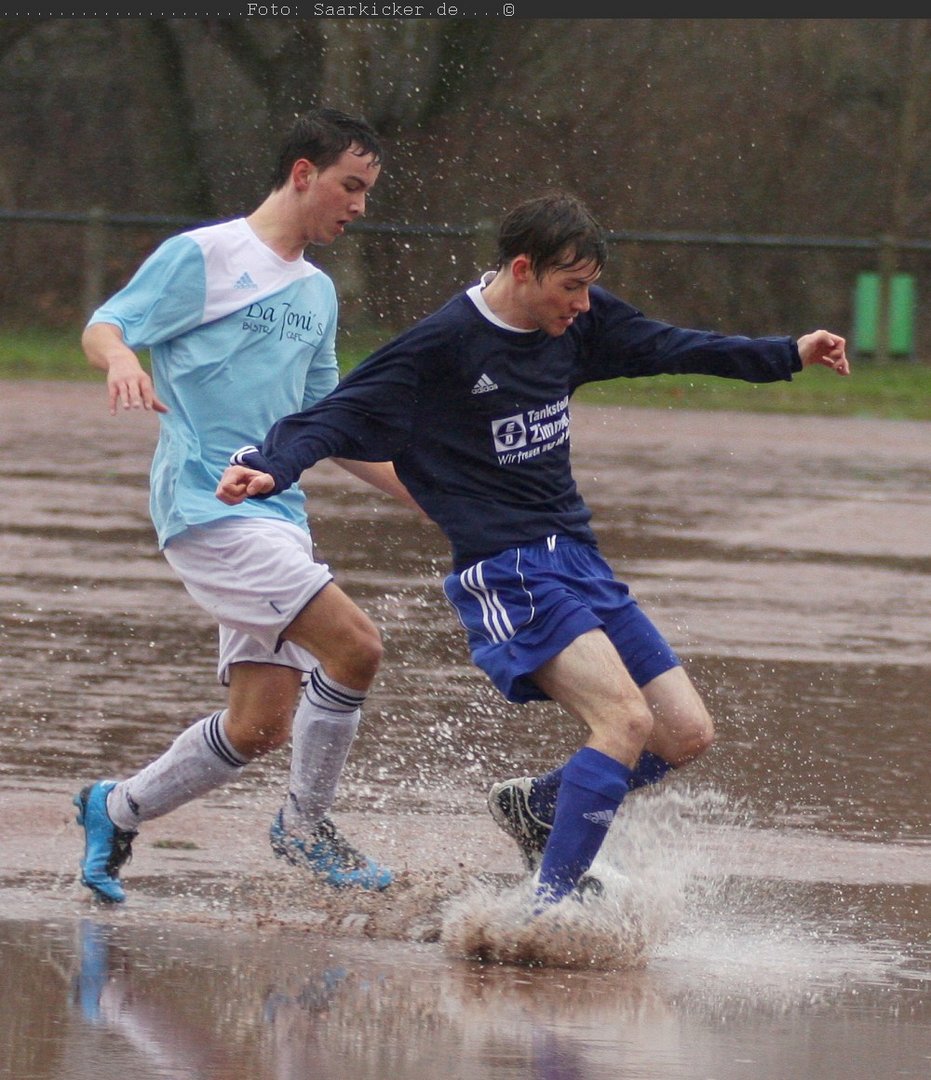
(524,606)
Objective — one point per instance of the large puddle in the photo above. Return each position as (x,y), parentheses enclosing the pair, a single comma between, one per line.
(777,914)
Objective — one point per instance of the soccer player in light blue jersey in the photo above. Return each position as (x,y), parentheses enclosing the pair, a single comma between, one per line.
(472,407)
(241,330)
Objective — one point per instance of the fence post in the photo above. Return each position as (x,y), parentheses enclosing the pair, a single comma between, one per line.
(94,255)
(887,258)
(486,254)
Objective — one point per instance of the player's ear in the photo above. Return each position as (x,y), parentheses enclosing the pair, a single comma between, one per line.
(521,268)
(302,172)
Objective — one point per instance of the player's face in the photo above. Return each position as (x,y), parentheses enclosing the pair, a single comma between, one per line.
(336,195)
(554,301)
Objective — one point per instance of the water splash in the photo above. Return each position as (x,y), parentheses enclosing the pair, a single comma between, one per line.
(674,903)
(649,866)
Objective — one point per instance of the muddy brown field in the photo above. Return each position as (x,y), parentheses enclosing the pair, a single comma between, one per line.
(787,875)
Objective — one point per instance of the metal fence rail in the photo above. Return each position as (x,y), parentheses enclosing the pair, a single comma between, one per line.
(887,251)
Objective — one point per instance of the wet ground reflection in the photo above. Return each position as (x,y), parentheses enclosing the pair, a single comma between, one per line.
(208,1002)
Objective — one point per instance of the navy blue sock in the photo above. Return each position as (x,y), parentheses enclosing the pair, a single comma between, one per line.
(593,785)
(650,769)
(543,794)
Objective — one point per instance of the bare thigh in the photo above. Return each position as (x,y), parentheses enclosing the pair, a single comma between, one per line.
(340,635)
(589,680)
(682,728)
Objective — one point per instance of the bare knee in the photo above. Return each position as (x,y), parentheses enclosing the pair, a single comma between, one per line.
(689,737)
(623,734)
(682,729)
(640,723)
(341,636)
(698,743)
(356,665)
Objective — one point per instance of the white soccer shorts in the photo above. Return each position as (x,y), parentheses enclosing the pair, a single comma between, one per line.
(253,575)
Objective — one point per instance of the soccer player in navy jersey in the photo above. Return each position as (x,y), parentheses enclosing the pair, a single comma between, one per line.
(472,406)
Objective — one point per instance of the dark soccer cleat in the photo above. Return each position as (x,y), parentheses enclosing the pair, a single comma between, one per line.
(106,847)
(509,805)
(587,888)
(329,856)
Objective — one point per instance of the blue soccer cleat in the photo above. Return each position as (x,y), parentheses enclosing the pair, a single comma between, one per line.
(106,847)
(328,856)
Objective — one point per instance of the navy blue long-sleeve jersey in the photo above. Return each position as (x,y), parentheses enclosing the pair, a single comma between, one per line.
(475,417)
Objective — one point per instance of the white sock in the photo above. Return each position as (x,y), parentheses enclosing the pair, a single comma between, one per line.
(324,726)
(200,759)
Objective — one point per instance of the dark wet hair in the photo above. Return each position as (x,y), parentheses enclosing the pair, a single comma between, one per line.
(322,136)
(554,231)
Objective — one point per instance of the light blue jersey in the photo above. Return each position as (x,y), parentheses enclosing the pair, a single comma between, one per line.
(238,338)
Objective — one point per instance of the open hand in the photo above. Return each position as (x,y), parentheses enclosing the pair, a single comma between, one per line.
(131,386)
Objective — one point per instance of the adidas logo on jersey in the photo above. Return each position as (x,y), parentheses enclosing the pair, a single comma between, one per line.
(245,282)
(600,817)
(484,384)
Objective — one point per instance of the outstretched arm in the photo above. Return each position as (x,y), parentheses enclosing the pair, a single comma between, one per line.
(128,383)
(822,347)
(239,483)
(381,475)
